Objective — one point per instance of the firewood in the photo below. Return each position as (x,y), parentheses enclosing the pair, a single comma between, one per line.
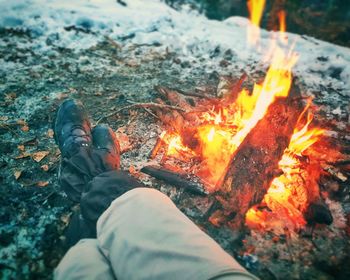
(175,179)
(174,98)
(253,166)
(319,213)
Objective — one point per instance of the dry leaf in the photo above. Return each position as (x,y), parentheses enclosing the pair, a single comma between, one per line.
(121,129)
(10,96)
(123,140)
(17,174)
(25,128)
(4,118)
(50,133)
(21,147)
(38,156)
(98,93)
(114,96)
(23,155)
(42,183)
(21,122)
(61,96)
(45,167)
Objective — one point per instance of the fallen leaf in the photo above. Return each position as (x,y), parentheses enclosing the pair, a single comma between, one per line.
(25,128)
(114,96)
(21,147)
(38,156)
(21,122)
(23,155)
(98,93)
(50,133)
(45,167)
(42,183)
(61,96)
(132,169)
(124,141)
(121,129)
(17,174)
(4,118)
(10,96)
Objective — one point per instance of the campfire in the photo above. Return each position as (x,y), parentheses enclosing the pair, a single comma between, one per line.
(250,148)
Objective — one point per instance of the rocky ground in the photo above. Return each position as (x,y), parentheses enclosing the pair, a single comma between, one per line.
(107,76)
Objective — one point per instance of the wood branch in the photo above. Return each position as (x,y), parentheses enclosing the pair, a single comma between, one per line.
(174,179)
(236,89)
(171,118)
(142,105)
(253,166)
(191,94)
(173,97)
(156,148)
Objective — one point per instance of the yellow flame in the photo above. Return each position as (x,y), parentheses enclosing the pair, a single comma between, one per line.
(255,8)
(305,137)
(277,83)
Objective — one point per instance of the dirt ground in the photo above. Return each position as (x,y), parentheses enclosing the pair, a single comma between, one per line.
(35,211)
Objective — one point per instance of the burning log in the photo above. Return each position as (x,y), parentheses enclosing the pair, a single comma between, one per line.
(175,179)
(255,163)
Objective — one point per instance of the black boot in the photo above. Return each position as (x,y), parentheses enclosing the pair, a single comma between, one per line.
(72,128)
(103,138)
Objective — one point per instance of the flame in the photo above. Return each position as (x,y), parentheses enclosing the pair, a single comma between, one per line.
(283,27)
(221,130)
(304,138)
(255,8)
(212,137)
(288,195)
(175,146)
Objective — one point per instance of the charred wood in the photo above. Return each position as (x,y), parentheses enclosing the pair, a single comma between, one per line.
(174,179)
(254,165)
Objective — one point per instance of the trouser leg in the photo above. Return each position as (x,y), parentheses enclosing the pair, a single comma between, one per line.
(145,236)
(77,171)
(84,261)
(75,178)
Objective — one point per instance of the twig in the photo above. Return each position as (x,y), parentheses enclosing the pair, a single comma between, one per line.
(160,89)
(113,43)
(141,105)
(149,112)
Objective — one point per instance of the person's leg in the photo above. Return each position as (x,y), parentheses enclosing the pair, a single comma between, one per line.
(145,236)
(84,261)
(90,159)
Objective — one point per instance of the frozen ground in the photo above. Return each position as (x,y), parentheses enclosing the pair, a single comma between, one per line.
(152,22)
(104,52)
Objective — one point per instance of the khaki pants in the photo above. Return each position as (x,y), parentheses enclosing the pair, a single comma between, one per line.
(142,235)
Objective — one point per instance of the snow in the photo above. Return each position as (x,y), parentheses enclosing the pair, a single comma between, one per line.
(189,34)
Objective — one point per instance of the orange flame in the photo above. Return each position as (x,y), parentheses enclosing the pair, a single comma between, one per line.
(217,133)
(283,27)
(221,130)
(255,8)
